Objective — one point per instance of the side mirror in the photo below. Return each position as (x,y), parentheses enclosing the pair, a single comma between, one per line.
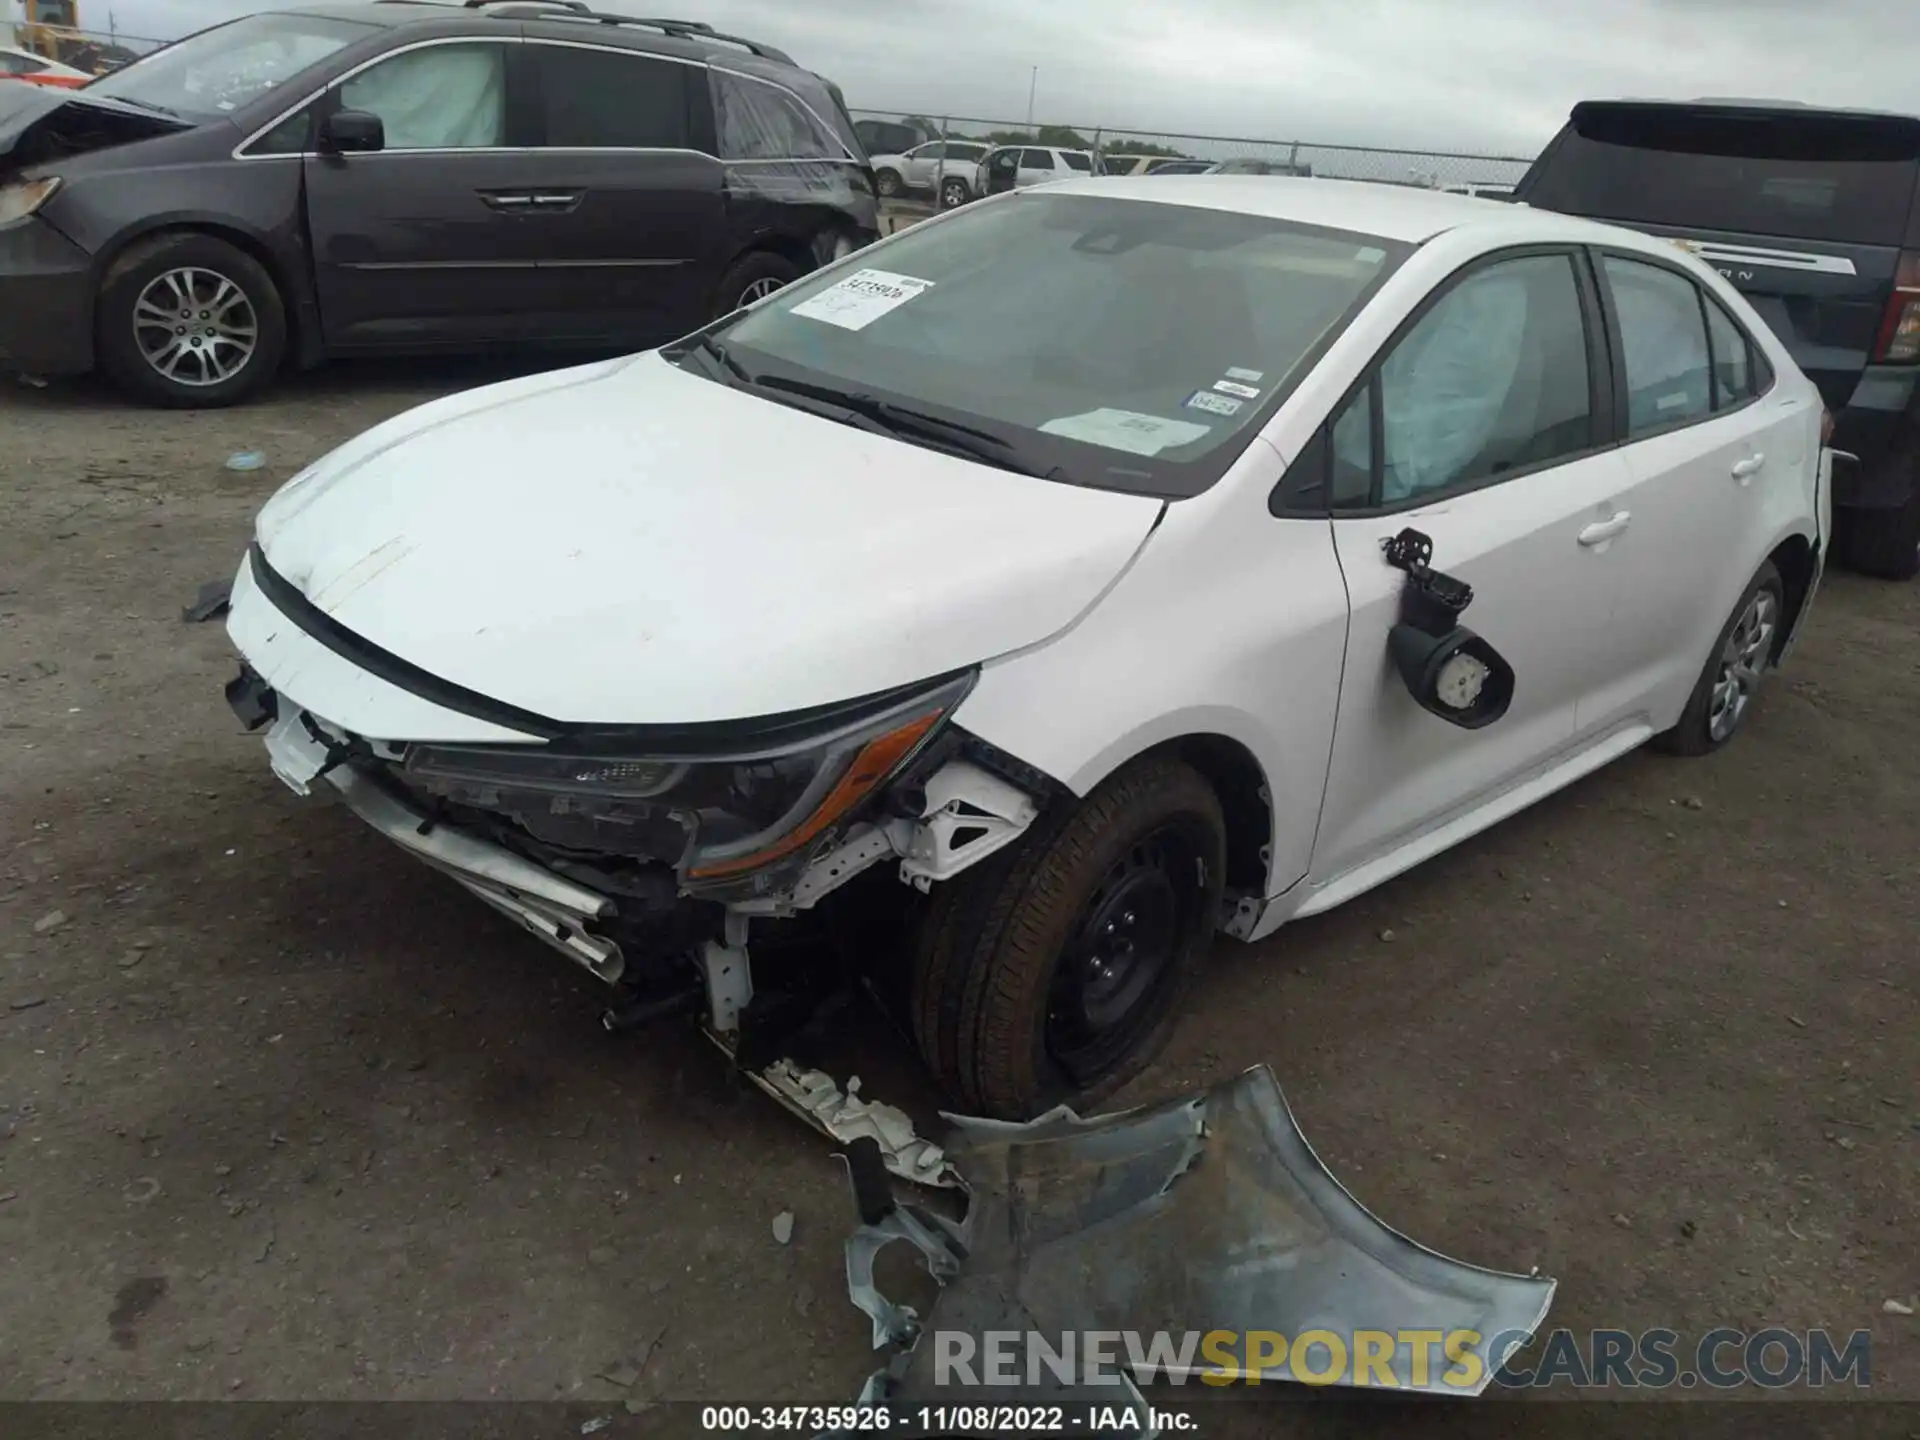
(347,132)
(1457,676)
(1450,671)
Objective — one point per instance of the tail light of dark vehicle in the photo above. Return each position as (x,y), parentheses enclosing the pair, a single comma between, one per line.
(1900,330)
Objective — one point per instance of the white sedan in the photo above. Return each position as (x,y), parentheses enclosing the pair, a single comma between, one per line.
(1038,593)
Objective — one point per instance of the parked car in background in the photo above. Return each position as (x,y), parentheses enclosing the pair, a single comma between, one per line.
(705,691)
(1149,165)
(17,64)
(1813,215)
(890,137)
(404,177)
(1014,167)
(1251,166)
(1481,192)
(947,168)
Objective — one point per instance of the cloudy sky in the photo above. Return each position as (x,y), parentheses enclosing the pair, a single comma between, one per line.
(1485,75)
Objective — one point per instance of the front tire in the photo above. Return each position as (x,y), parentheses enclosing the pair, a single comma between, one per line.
(954,194)
(1742,655)
(888,183)
(1054,972)
(188,321)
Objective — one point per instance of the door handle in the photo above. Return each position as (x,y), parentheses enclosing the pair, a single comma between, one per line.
(556,199)
(1746,469)
(506,200)
(1604,530)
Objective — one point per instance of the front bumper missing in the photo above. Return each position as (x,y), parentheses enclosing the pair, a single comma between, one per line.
(556,910)
(1205,1213)
(541,902)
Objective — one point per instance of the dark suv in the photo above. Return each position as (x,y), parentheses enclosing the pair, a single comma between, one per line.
(1812,213)
(393,175)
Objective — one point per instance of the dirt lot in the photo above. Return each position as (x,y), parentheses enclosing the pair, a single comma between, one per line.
(283,1115)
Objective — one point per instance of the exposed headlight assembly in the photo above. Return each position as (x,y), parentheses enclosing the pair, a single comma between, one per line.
(718,815)
(19,200)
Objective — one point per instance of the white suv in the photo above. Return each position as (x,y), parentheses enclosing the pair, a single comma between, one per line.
(996,615)
(944,167)
(1015,167)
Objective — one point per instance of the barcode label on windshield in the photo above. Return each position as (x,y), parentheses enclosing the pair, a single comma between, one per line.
(860,299)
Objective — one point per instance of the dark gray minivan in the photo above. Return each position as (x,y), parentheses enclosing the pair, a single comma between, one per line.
(395,175)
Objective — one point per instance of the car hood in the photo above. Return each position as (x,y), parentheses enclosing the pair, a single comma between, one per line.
(40,123)
(627,543)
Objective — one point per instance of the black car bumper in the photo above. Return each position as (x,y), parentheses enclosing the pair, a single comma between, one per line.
(1880,424)
(46,301)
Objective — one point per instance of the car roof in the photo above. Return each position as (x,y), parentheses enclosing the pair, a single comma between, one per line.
(680,38)
(1394,212)
(1735,107)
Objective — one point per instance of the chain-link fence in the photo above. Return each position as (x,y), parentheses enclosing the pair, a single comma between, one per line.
(94,51)
(890,132)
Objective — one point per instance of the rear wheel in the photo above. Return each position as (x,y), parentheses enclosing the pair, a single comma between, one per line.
(188,320)
(1882,543)
(888,182)
(753,277)
(1741,657)
(1054,972)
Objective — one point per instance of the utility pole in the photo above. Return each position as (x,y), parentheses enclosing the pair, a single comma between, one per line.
(1033,83)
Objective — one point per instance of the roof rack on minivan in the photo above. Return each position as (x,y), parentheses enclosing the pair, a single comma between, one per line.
(577,9)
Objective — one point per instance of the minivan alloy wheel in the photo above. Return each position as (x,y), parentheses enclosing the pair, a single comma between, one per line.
(195,326)
(760,289)
(1742,660)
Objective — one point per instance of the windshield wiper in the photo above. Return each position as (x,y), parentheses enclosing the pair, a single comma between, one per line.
(731,369)
(146,105)
(902,422)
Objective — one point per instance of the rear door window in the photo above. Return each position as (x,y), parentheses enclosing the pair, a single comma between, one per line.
(610,100)
(1735,376)
(760,121)
(1077,161)
(1663,340)
(1801,177)
(1036,160)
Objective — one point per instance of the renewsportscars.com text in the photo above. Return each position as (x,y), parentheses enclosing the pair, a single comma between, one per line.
(1723,1359)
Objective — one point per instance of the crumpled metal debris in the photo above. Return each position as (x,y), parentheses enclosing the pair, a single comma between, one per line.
(817,1099)
(1205,1213)
(212,600)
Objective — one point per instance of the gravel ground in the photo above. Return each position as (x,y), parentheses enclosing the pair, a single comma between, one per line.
(283,1115)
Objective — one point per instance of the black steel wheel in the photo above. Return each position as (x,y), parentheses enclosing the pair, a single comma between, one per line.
(1054,972)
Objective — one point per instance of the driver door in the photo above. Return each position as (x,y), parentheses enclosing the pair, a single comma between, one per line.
(1484,426)
(436,237)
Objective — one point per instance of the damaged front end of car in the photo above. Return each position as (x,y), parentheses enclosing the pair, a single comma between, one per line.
(644,853)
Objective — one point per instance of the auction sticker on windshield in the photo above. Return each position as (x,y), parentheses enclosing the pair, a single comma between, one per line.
(1127,430)
(861,298)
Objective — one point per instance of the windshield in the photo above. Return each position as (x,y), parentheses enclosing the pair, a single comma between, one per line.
(210,75)
(1123,343)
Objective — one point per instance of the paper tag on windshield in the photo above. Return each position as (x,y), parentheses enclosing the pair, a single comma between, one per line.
(860,299)
(1245,377)
(1126,430)
(1234,387)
